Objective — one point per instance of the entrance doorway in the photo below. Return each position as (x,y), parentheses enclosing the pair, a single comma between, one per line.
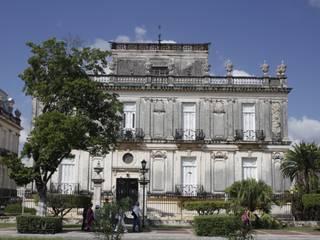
(127,187)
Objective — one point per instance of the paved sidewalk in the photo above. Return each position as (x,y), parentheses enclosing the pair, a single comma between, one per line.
(176,234)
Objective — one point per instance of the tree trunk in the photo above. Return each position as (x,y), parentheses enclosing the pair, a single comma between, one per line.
(42,205)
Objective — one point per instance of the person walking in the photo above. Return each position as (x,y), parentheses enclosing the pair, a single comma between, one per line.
(120,224)
(136,213)
(84,217)
(89,218)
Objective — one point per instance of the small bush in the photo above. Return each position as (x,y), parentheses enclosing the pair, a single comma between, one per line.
(311,204)
(217,225)
(37,224)
(16,209)
(61,204)
(311,200)
(266,221)
(206,207)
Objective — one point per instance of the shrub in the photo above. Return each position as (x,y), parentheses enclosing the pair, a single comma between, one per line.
(105,222)
(266,221)
(16,209)
(37,224)
(206,207)
(311,200)
(61,204)
(251,194)
(217,225)
(311,204)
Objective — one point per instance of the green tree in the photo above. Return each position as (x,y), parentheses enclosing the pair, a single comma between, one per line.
(77,112)
(251,194)
(301,164)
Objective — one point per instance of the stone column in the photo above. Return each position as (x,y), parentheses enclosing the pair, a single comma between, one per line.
(285,120)
(230,125)
(267,118)
(147,120)
(97,185)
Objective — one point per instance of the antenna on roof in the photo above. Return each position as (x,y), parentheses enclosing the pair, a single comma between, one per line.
(159,35)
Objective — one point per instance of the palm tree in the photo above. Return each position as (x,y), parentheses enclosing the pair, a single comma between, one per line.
(302,164)
(251,194)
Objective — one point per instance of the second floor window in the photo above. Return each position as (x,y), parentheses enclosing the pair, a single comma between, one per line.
(189,121)
(249,121)
(129,115)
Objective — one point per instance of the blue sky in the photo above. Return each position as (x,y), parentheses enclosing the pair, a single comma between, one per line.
(247,32)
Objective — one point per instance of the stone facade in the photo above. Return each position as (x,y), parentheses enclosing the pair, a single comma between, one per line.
(9,141)
(198,133)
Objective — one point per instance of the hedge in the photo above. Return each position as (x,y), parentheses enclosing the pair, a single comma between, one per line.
(16,209)
(37,224)
(217,225)
(311,200)
(61,204)
(206,207)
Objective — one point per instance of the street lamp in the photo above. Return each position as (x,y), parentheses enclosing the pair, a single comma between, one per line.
(143,181)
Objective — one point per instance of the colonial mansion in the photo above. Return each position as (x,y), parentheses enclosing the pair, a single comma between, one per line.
(197,132)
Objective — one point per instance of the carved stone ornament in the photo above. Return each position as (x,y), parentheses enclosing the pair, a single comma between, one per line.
(276,118)
(171,67)
(148,66)
(218,155)
(229,67)
(158,106)
(265,69)
(281,69)
(159,154)
(206,68)
(17,113)
(219,107)
(277,155)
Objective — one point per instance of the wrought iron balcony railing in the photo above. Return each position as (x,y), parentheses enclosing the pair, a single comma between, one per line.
(188,189)
(249,135)
(64,188)
(132,133)
(142,80)
(189,134)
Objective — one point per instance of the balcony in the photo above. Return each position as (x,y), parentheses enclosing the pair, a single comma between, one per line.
(189,134)
(249,135)
(203,81)
(64,188)
(132,134)
(189,190)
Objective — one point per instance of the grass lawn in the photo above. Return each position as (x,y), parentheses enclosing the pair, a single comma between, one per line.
(302,229)
(30,238)
(7,225)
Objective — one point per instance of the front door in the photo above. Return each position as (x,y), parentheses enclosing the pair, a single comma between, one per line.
(127,187)
(189,177)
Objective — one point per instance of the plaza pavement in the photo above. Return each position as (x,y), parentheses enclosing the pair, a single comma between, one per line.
(174,234)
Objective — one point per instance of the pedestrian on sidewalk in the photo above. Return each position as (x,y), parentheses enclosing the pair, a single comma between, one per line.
(136,213)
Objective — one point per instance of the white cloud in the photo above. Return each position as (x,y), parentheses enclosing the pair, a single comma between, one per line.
(26,124)
(305,129)
(101,44)
(240,73)
(168,41)
(140,34)
(122,38)
(314,3)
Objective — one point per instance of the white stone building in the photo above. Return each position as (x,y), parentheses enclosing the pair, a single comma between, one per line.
(9,142)
(197,132)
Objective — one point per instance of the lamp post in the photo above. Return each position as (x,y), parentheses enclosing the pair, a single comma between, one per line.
(143,181)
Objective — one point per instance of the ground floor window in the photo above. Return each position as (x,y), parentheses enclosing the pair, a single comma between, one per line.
(249,168)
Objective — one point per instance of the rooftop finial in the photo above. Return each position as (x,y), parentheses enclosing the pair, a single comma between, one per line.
(159,35)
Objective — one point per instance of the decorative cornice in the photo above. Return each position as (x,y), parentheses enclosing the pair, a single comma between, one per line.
(198,88)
